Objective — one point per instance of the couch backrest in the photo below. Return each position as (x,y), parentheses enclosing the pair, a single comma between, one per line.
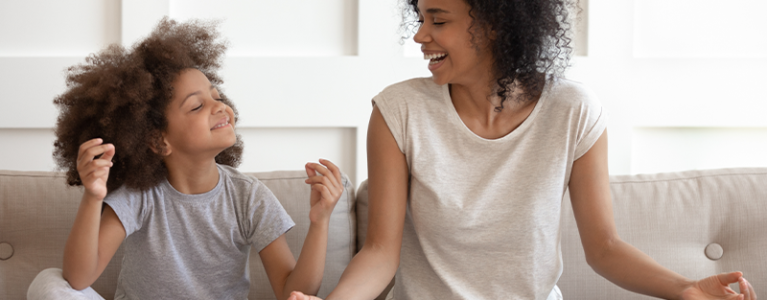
(673,217)
(37,210)
(679,219)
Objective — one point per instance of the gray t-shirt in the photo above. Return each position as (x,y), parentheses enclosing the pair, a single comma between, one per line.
(483,216)
(181,246)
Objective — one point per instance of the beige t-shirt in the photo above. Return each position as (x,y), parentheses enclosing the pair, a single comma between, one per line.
(483,216)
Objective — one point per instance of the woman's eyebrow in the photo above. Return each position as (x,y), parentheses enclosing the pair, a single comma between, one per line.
(194,93)
(436,11)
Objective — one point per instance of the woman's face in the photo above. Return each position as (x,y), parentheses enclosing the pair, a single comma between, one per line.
(446,41)
(199,124)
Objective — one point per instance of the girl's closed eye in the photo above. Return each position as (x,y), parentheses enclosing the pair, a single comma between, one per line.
(197,108)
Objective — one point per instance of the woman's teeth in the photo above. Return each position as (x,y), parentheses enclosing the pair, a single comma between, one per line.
(434,58)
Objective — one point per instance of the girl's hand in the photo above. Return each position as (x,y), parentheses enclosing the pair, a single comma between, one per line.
(301,296)
(95,171)
(327,188)
(717,287)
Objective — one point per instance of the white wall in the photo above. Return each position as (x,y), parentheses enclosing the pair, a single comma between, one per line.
(302,74)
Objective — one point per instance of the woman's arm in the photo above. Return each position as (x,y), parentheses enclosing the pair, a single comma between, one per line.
(618,261)
(371,270)
(287,275)
(95,236)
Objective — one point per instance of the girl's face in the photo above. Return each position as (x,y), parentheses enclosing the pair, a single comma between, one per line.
(199,124)
(446,41)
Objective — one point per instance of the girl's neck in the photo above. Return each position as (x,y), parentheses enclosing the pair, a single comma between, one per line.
(192,177)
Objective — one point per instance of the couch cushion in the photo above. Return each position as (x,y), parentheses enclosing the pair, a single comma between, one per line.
(37,210)
(293,193)
(674,217)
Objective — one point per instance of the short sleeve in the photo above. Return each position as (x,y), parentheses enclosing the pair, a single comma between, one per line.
(394,111)
(130,207)
(268,219)
(592,122)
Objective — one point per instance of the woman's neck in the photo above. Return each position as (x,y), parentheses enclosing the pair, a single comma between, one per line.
(477,105)
(192,176)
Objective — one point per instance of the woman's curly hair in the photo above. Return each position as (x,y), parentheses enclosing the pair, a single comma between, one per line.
(120,95)
(531,43)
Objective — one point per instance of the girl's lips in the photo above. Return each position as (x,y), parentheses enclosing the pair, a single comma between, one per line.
(221,124)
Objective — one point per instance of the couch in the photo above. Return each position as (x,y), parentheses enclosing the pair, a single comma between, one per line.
(697,223)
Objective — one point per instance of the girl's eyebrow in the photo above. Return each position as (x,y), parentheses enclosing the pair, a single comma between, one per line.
(194,93)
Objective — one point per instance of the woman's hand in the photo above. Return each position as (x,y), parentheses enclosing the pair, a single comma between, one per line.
(93,171)
(327,188)
(717,287)
(301,296)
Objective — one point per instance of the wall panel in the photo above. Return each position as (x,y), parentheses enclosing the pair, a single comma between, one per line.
(57,28)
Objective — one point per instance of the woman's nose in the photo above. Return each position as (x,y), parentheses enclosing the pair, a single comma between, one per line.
(422,35)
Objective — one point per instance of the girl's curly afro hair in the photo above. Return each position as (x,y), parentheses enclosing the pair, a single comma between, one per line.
(532,41)
(120,95)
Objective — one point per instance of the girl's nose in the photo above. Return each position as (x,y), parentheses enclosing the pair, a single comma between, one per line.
(220,107)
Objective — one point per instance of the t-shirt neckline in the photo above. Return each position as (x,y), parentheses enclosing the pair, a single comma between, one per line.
(197,197)
(522,127)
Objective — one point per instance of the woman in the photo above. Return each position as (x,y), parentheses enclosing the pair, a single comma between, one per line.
(468,168)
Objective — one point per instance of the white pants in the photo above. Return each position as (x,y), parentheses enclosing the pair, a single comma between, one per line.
(50,284)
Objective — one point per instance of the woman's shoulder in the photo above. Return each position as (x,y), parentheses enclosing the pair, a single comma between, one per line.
(422,87)
(570,93)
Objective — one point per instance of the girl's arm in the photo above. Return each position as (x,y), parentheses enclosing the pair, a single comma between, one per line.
(285,274)
(95,236)
(371,270)
(620,262)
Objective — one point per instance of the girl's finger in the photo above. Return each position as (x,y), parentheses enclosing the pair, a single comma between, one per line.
(109,153)
(88,144)
(101,172)
(93,166)
(333,169)
(325,172)
(94,151)
(309,171)
(323,191)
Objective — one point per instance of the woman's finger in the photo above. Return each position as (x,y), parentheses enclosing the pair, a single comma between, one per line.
(728,278)
(333,169)
(751,291)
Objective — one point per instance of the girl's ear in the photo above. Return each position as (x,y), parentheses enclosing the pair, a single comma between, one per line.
(160,145)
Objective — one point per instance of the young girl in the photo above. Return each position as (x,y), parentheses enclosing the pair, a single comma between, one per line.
(468,168)
(148,132)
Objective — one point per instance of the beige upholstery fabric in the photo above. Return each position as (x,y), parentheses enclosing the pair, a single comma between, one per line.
(673,217)
(293,193)
(37,210)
